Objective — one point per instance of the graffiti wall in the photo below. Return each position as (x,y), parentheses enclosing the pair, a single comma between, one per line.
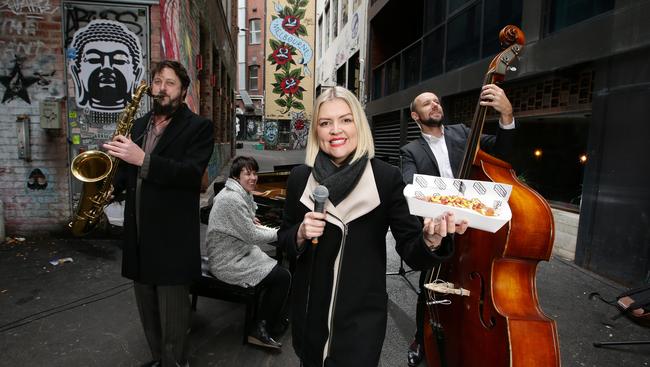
(33,148)
(180,40)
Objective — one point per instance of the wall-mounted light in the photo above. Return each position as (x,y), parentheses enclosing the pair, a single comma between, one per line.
(583,158)
(537,153)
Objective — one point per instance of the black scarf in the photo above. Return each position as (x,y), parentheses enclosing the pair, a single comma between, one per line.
(341,180)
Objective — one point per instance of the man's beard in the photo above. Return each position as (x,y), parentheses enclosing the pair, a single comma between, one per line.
(165,110)
(431,122)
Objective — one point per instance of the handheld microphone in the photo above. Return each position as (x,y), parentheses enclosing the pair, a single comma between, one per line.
(320,196)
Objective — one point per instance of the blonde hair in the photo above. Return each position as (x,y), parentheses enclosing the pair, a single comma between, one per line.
(365,144)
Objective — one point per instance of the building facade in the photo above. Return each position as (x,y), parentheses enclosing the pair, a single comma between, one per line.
(341,45)
(579,96)
(68,68)
(250,69)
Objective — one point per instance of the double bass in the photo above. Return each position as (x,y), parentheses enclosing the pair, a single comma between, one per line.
(491,315)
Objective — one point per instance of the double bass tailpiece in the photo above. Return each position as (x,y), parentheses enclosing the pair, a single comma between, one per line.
(446,288)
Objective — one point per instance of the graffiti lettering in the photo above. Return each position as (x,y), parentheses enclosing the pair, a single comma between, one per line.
(10,48)
(79,17)
(18,27)
(28,7)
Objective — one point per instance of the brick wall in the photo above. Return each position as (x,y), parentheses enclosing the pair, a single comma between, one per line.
(30,45)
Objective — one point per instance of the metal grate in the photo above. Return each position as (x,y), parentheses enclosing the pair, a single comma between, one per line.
(386,133)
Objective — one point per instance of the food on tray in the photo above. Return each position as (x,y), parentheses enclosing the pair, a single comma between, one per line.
(460,202)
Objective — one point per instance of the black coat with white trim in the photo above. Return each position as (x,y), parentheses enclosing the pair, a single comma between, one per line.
(346,320)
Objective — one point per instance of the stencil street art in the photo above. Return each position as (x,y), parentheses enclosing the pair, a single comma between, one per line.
(106,65)
(16,84)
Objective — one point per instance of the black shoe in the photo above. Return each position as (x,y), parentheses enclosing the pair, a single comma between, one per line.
(415,353)
(279,328)
(261,337)
(152,364)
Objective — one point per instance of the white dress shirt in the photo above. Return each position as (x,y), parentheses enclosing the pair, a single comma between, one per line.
(438,147)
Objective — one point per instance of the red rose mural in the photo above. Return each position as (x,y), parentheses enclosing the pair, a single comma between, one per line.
(291,24)
(287,85)
(283,55)
(290,85)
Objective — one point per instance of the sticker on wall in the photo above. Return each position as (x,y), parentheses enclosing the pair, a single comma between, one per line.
(107,65)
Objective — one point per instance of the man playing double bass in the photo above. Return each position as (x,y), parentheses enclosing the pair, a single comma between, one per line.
(439,152)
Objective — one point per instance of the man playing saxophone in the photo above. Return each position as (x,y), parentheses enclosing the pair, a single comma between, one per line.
(164,160)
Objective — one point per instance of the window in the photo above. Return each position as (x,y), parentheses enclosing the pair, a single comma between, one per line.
(453,33)
(563,13)
(344,13)
(463,37)
(253,72)
(255,31)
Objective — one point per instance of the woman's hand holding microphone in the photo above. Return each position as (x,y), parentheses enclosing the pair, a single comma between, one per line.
(312,226)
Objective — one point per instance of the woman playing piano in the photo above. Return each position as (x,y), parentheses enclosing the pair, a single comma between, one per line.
(232,240)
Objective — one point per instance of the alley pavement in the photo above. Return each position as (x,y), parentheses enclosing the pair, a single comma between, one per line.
(63,302)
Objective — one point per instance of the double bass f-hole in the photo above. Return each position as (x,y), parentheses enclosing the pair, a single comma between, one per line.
(491,322)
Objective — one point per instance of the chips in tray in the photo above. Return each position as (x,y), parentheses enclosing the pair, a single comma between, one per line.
(460,202)
(483,204)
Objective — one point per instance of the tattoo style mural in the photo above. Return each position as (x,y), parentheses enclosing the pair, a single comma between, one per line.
(290,49)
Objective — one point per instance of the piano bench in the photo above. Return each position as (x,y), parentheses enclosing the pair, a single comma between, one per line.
(211,287)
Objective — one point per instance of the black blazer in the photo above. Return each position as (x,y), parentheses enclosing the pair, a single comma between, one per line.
(358,294)
(417,157)
(162,247)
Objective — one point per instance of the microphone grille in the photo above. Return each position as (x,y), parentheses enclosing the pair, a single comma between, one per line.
(320,193)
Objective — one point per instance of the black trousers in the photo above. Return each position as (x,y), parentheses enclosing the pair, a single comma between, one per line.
(165,314)
(419,309)
(276,286)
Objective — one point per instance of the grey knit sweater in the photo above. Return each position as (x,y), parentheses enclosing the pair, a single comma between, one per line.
(232,238)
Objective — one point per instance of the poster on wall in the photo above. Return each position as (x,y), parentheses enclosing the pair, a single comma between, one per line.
(106,56)
(289,78)
(106,65)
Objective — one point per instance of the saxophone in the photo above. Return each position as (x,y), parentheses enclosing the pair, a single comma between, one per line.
(96,170)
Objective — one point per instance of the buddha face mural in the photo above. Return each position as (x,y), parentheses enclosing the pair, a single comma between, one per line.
(107,65)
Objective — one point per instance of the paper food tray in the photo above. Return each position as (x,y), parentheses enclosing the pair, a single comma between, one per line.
(492,194)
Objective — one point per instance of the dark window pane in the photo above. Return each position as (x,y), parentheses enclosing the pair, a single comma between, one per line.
(412,65)
(567,12)
(340,76)
(433,46)
(463,38)
(455,4)
(377,83)
(498,14)
(434,14)
(392,75)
